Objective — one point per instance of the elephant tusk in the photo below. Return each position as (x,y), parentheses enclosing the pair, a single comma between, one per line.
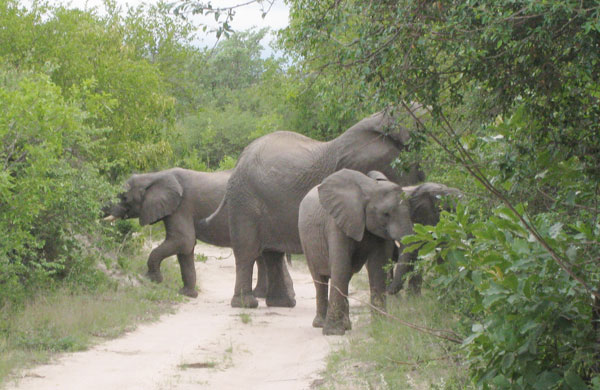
(110,218)
(397,243)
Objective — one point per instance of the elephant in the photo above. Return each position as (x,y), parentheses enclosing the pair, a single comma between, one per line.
(180,198)
(425,210)
(272,176)
(348,220)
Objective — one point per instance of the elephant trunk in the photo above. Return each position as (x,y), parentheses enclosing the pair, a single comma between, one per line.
(397,231)
(404,260)
(404,266)
(113,212)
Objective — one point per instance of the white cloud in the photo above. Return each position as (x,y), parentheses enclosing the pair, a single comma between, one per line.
(246,17)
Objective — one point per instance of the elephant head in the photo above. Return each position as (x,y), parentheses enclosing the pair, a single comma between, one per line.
(425,204)
(149,197)
(358,203)
(425,201)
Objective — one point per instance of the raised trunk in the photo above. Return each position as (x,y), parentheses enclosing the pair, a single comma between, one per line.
(373,144)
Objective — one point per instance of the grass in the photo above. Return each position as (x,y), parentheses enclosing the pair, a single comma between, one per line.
(245,318)
(71,318)
(209,364)
(384,354)
(201,257)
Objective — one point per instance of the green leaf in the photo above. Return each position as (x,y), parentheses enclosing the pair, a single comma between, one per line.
(555,229)
(490,299)
(456,256)
(501,382)
(574,381)
(531,324)
(547,380)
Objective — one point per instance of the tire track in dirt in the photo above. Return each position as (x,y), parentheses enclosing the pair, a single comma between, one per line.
(204,345)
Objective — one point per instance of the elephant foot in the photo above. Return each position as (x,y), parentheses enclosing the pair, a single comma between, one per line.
(189,292)
(413,292)
(156,277)
(280,301)
(259,292)
(393,289)
(347,324)
(334,330)
(318,322)
(244,301)
(414,285)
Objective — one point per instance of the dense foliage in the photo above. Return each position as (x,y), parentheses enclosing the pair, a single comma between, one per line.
(47,185)
(86,100)
(68,87)
(89,97)
(512,88)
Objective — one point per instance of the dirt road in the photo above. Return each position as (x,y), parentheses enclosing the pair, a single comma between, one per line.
(206,344)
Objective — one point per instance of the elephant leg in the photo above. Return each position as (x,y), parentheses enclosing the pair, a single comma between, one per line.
(280,291)
(158,254)
(246,249)
(242,294)
(337,320)
(260,291)
(414,284)
(288,258)
(376,274)
(245,256)
(188,274)
(321,286)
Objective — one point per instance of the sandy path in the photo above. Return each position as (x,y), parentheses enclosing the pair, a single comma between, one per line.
(204,345)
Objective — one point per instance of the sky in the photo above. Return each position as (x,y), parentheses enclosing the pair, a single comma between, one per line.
(245,17)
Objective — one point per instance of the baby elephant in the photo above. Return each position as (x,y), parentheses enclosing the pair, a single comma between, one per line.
(348,220)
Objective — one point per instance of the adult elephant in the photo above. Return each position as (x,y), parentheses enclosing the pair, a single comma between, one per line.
(180,198)
(272,176)
(424,201)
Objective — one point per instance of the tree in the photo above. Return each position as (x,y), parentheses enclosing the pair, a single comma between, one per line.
(512,90)
(49,182)
(92,60)
(86,99)
(239,100)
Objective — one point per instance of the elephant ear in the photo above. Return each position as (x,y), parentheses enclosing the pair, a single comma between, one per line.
(344,196)
(424,200)
(161,198)
(377,176)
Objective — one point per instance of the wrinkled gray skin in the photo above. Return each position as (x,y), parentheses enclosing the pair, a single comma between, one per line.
(272,176)
(347,221)
(424,209)
(180,198)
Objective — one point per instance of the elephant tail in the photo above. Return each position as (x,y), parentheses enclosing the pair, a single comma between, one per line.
(214,229)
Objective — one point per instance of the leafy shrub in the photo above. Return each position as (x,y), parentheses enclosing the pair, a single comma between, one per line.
(531,324)
(49,187)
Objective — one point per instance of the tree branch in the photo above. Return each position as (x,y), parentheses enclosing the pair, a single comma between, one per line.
(474,171)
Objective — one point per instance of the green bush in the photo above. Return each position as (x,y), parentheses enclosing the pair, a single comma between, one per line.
(84,102)
(48,188)
(99,64)
(530,324)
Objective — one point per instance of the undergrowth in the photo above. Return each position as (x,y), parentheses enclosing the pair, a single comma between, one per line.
(381,353)
(84,310)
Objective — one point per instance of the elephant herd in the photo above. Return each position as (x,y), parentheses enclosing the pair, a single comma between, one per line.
(339,202)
